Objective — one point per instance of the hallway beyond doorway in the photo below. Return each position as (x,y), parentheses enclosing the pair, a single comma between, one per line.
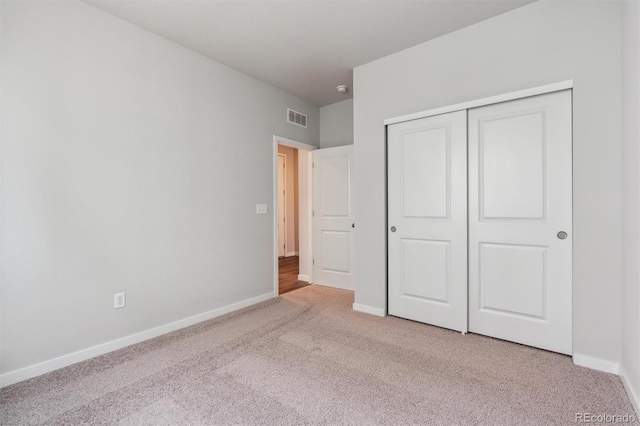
(288,270)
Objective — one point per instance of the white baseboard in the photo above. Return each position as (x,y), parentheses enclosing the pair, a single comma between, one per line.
(25,373)
(291,253)
(596,363)
(369,310)
(303,278)
(634,394)
(338,286)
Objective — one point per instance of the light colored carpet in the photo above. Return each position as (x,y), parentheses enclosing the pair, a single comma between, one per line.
(307,358)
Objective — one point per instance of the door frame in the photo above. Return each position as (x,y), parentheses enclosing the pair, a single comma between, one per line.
(276,209)
(525,93)
(520,94)
(279,140)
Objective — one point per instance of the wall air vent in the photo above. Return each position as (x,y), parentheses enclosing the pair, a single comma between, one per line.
(297,118)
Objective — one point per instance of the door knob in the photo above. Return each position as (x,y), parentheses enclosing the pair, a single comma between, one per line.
(353,225)
(562,235)
(393,229)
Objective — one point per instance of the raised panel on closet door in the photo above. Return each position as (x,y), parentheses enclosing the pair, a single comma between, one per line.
(520,190)
(427,214)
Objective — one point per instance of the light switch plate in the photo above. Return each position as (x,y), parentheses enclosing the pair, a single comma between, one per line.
(262,209)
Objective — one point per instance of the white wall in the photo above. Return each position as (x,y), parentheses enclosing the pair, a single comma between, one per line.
(541,43)
(336,124)
(128,164)
(1,178)
(630,353)
(291,198)
(304,214)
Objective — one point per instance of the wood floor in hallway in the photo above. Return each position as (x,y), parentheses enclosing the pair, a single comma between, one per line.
(288,270)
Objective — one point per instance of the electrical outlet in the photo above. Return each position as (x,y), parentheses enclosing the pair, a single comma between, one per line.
(262,209)
(119,300)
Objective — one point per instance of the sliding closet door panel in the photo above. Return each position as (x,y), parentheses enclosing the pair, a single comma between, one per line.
(520,234)
(427,169)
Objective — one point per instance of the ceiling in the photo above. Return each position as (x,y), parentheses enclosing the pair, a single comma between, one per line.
(305,47)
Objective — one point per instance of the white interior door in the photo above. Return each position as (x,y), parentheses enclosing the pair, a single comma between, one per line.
(427,236)
(520,192)
(282,205)
(332,217)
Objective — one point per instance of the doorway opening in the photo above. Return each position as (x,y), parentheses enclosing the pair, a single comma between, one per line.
(292,214)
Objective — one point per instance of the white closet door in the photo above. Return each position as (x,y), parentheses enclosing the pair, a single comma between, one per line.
(332,217)
(427,236)
(520,235)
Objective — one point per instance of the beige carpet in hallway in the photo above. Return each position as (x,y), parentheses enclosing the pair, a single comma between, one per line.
(307,358)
